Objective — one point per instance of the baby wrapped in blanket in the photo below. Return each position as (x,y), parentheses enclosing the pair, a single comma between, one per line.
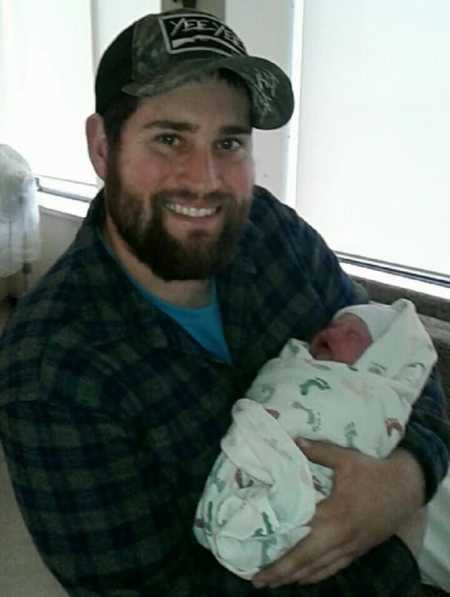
(354,387)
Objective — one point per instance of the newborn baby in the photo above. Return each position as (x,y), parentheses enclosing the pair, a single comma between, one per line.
(343,340)
(353,386)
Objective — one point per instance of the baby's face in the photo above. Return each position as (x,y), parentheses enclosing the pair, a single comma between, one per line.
(343,340)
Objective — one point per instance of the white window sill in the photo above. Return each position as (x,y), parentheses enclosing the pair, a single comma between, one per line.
(399,281)
(61,205)
(78,209)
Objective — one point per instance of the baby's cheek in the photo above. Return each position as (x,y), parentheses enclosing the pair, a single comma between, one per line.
(345,349)
(356,347)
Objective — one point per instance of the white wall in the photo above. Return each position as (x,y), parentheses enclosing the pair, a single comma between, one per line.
(58,231)
(108,23)
(215,7)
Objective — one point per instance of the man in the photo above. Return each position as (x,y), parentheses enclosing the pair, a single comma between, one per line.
(120,367)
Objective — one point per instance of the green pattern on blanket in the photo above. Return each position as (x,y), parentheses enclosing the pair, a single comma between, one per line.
(264,393)
(350,434)
(269,540)
(314,419)
(315,382)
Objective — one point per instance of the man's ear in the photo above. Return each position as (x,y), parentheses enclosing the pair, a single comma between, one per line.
(97,144)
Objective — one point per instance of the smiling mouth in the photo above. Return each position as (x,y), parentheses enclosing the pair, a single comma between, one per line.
(192,212)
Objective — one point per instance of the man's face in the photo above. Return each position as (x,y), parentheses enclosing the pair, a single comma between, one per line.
(178,186)
(344,340)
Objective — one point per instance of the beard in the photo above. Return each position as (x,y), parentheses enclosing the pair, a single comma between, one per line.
(140,222)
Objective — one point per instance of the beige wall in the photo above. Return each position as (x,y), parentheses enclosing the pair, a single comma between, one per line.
(57,232)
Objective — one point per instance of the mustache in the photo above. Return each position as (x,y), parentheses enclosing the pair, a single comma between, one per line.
(213,197)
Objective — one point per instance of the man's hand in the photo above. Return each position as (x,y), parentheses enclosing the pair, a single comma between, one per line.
(369,502)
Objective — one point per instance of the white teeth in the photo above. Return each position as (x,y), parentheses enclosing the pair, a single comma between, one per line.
(192,212)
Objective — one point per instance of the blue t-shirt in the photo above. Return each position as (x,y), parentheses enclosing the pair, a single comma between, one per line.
(204,324)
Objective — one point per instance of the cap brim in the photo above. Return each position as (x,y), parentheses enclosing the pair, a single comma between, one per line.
(272,100)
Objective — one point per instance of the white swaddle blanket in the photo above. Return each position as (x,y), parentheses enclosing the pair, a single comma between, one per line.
(262,490)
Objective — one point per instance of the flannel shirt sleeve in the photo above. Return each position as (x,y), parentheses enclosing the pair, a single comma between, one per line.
(92,503)
(427,435)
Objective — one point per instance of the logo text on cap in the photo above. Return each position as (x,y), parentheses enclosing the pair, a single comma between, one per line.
(190,32)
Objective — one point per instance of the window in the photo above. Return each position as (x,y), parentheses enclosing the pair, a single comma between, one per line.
(49,51)
(374,136)
(47,66)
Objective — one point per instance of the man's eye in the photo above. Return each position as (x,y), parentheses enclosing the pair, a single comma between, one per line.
(229,144)
(168,139)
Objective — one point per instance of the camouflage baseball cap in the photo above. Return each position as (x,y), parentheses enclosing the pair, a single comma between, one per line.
(162,51)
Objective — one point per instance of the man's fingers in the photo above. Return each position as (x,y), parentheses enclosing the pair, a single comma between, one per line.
(309,577)
(366,506)
(292,572)
(286,567)
(330,563)
(307,560)
(278,573)
(323,453)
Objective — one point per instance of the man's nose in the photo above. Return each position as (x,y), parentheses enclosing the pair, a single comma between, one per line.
(200,171)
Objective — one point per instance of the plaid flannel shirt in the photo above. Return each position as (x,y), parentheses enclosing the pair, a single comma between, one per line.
(111,414)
